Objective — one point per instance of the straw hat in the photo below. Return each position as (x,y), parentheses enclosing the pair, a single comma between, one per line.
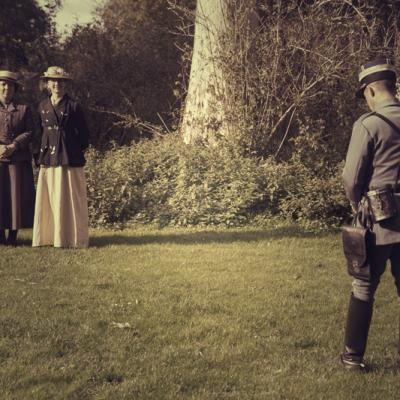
(9,77)
(56,73)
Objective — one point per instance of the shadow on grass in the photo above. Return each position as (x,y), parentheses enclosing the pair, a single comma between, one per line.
(24,242)
(203,237)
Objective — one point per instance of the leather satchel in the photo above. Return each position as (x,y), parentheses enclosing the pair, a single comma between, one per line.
(357,241)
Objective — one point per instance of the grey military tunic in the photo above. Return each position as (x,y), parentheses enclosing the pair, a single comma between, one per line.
(373,161)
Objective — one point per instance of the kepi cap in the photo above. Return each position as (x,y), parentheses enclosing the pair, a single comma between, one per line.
(55,72)
(379,69)
(9,77)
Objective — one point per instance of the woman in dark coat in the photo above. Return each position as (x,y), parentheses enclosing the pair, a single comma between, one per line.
(61,215)
(17,192)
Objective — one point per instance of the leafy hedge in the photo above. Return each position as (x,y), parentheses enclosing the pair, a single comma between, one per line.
(166,182)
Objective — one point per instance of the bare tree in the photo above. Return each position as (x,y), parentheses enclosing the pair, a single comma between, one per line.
(265,81)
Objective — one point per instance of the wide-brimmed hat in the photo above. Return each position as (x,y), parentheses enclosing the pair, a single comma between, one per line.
(56,73)
(9,76)
(381,68)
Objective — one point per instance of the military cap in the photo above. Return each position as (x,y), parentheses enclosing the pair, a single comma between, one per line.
(56,73)
(9,77)
(379,69)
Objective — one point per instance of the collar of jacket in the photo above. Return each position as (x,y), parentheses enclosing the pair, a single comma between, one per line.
(8,107)
(386,103)
(60,104)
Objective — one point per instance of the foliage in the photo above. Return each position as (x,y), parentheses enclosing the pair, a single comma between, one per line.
(28,42)
(27,35)
(312,196)
(167,182)
(126,64)
(119,181)
(214,186)
(298,68)
(289,78)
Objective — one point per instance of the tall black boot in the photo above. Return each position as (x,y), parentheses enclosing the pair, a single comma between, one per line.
(12,237)
(357,327)
(2,236)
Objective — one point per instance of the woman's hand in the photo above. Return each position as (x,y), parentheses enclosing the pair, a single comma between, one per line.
(7,150)
(3,151)
(11,148)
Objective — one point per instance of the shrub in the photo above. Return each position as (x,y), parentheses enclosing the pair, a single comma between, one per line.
(166,182)
(312,196)
(118,180)
(214,186)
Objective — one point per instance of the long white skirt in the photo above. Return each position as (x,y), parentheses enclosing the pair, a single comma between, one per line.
(61,213)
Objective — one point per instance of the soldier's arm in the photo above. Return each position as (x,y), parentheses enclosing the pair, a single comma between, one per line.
(358,164)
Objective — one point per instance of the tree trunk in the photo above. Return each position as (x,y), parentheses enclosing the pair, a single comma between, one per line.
(204,118)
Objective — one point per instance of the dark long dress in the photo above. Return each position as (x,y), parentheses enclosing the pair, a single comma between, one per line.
(17,191)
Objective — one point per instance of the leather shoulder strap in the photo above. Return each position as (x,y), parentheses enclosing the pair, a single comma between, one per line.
(388,121)
(396,129)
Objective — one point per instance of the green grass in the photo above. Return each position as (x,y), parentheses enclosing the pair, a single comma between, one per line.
(222,314)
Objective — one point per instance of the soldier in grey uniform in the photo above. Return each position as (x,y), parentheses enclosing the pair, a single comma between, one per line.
(373,161)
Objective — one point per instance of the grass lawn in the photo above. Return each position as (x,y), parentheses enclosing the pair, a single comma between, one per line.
(187,314)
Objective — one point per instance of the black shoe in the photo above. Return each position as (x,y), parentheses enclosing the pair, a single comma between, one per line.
(3,240)
(353,365)
(12,238)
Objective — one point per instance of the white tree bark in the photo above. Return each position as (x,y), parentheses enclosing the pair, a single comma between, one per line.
(204,115)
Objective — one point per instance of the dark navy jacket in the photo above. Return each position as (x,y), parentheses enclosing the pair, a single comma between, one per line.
(16,126)
(64,133)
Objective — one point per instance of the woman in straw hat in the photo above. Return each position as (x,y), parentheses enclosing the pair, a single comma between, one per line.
(17,192)
(61,215)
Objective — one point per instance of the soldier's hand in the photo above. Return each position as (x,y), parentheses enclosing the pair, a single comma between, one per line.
(354,208)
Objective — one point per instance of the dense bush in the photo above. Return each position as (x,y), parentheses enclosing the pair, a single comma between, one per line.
(312,196)
(214,186)
(166,182)
(118,181)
